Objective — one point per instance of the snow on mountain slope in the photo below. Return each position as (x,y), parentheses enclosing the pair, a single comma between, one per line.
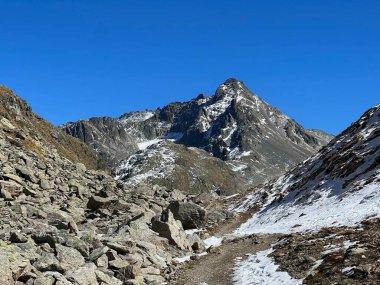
(175,166)
(157,162)
(340,185)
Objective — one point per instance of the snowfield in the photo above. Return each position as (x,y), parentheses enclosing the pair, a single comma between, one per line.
(340,210)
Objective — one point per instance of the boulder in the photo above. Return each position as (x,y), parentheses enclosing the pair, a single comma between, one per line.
(166,226)
(69,258)
(84,275)
(17,237)
(26,173)
(97,202)
(191,215)
(48,262)
(5,271)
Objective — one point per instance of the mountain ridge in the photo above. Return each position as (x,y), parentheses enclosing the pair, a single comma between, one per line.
(234,125)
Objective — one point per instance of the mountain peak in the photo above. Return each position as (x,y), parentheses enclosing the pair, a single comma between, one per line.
(232,80)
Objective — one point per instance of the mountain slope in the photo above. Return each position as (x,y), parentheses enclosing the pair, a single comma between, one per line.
(235,125)
(337,186)
(174,166)
(29,130)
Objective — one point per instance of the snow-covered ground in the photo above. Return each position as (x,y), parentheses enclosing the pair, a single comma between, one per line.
(213,241)
(327,211)
(260,269)
(143,145)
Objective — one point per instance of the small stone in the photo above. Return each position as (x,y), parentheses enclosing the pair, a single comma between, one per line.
(128,272)
(6,195)
(118,263)
(95,254)
(26,173)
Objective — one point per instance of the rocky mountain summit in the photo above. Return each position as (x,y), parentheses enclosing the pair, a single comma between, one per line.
(234,125)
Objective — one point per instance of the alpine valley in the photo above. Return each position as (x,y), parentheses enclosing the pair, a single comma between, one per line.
(222,189)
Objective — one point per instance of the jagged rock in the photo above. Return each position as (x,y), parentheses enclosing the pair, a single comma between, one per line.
(84,275)
(102,261)
(128,272)
(171,229)
(97,202)
(48,262)
(5,271)
(44,280)
(26,174)
(106,279)
(191,215)
(17,237)
(95,254)
(45,184)
(118,263)
(69,258)
(6,195)
(14,178)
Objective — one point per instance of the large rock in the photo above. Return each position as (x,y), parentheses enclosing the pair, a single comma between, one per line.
(5,271)
(97,202)
(84,275)
(191,215)
(166,226)
(70,258)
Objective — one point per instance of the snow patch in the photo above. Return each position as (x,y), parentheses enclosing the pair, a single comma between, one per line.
(213,241)
(260,269)
(145,144)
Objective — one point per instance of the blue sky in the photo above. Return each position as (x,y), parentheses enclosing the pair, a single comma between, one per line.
(317,61)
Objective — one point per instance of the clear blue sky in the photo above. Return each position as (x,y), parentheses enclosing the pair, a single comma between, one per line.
(317,61)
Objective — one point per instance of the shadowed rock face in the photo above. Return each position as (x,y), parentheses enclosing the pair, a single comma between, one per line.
(106,136)
(234,125)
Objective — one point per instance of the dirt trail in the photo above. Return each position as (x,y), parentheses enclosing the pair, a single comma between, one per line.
(216,268)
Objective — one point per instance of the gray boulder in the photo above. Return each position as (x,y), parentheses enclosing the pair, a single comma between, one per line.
(191,215)
(171,229)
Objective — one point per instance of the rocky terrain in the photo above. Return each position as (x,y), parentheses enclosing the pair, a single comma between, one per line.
(317,224)
(62,222)
(178,211)
(234,125)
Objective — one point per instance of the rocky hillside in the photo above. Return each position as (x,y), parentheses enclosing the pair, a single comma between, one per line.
(337,186)
(328,210)
(234,124)
(28,130)
(62,223)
